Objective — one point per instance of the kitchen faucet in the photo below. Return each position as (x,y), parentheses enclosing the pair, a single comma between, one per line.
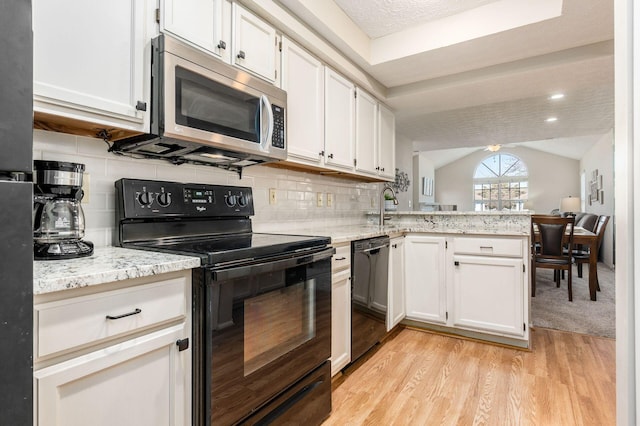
(386,188)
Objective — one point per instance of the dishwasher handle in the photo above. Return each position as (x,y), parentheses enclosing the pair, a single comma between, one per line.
(375,248)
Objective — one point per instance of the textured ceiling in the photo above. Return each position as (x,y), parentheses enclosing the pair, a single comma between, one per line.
(378,18)
(488,88)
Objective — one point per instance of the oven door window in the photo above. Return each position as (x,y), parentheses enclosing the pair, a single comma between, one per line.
(211,106)
(278,322)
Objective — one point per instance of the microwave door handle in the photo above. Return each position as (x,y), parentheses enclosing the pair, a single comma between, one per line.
(265,138)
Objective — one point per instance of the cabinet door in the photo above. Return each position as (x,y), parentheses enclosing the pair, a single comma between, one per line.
(254,44)
(303,80)
(425,278)
(89,58)
(386,142)
(339,110)
(340,321)
(366,133)
(488,294)
(146,381)
(199,22)
(396,310)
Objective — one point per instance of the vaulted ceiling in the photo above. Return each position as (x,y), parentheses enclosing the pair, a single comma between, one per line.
(468,73)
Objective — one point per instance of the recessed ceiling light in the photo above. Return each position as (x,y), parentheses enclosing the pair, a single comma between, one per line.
(556,96)
(551,119)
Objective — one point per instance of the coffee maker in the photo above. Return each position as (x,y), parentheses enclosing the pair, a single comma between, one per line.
(58,219)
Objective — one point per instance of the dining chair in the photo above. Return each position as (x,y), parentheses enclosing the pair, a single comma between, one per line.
(553,233)
(581,255)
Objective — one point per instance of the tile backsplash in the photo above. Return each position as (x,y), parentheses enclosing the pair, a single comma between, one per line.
(296,192)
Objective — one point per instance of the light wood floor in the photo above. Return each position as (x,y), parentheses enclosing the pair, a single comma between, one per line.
(420,378)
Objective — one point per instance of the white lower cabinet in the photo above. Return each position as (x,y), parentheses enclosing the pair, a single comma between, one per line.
(426,287)
(340,308)
(137,368)
(396,297)
(473,283)
(138,382)
(340,321)
(488,294)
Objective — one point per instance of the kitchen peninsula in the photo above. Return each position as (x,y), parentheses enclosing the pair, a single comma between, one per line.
(464,273)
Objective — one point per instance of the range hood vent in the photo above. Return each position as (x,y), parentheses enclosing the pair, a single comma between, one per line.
(179,152)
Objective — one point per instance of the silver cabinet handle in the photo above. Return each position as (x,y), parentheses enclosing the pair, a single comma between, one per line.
(241,54)
(222,45)
(135,312)
(341,258)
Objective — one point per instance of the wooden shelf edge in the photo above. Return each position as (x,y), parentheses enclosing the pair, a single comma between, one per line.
(72,126)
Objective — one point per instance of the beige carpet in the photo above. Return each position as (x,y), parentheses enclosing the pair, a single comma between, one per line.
(551,307)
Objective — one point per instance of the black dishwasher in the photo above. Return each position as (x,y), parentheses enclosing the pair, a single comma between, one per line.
(369,281)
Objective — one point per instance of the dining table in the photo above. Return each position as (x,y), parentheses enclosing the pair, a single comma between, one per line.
(590,239)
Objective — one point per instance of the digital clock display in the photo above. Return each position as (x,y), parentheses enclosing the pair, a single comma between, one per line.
(198,196)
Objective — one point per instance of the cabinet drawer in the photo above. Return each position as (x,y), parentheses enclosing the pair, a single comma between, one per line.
(488,246)
(341,259)
(79,321)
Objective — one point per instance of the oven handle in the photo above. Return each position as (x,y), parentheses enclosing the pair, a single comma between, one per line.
(271,266)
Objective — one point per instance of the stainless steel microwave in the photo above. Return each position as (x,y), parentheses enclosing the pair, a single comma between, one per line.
(204,111)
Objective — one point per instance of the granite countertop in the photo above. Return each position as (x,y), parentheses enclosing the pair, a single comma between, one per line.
(451,213)
(107,264)
(344,234)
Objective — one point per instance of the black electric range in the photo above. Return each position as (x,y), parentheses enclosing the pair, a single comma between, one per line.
(261,338)
(209,221)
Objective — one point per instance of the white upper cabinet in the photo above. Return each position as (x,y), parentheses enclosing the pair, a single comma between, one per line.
(303,80)
(90,59)
(366,133)
(339,122)
(203,23)
(226,30)
(255,44)
(386,142)
(375,138)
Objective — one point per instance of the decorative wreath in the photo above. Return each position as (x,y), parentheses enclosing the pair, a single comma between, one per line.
(402,181)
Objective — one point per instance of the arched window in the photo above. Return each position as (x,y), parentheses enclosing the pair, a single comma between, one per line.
(500,182)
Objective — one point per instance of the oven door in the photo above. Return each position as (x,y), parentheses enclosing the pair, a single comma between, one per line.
(266,326)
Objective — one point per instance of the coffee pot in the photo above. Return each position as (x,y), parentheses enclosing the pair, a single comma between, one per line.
(58,219)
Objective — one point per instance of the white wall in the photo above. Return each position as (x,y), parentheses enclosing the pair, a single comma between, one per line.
(600,157)
(423,168)
(295,191)
(404,163)
(551,177)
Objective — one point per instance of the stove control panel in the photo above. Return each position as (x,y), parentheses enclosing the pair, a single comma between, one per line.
(136,198)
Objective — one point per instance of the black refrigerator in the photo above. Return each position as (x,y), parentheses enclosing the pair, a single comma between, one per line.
(16,199)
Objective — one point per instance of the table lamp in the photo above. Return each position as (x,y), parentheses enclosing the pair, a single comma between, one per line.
(570,205)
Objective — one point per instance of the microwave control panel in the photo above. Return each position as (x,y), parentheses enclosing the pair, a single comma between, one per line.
(278,137)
